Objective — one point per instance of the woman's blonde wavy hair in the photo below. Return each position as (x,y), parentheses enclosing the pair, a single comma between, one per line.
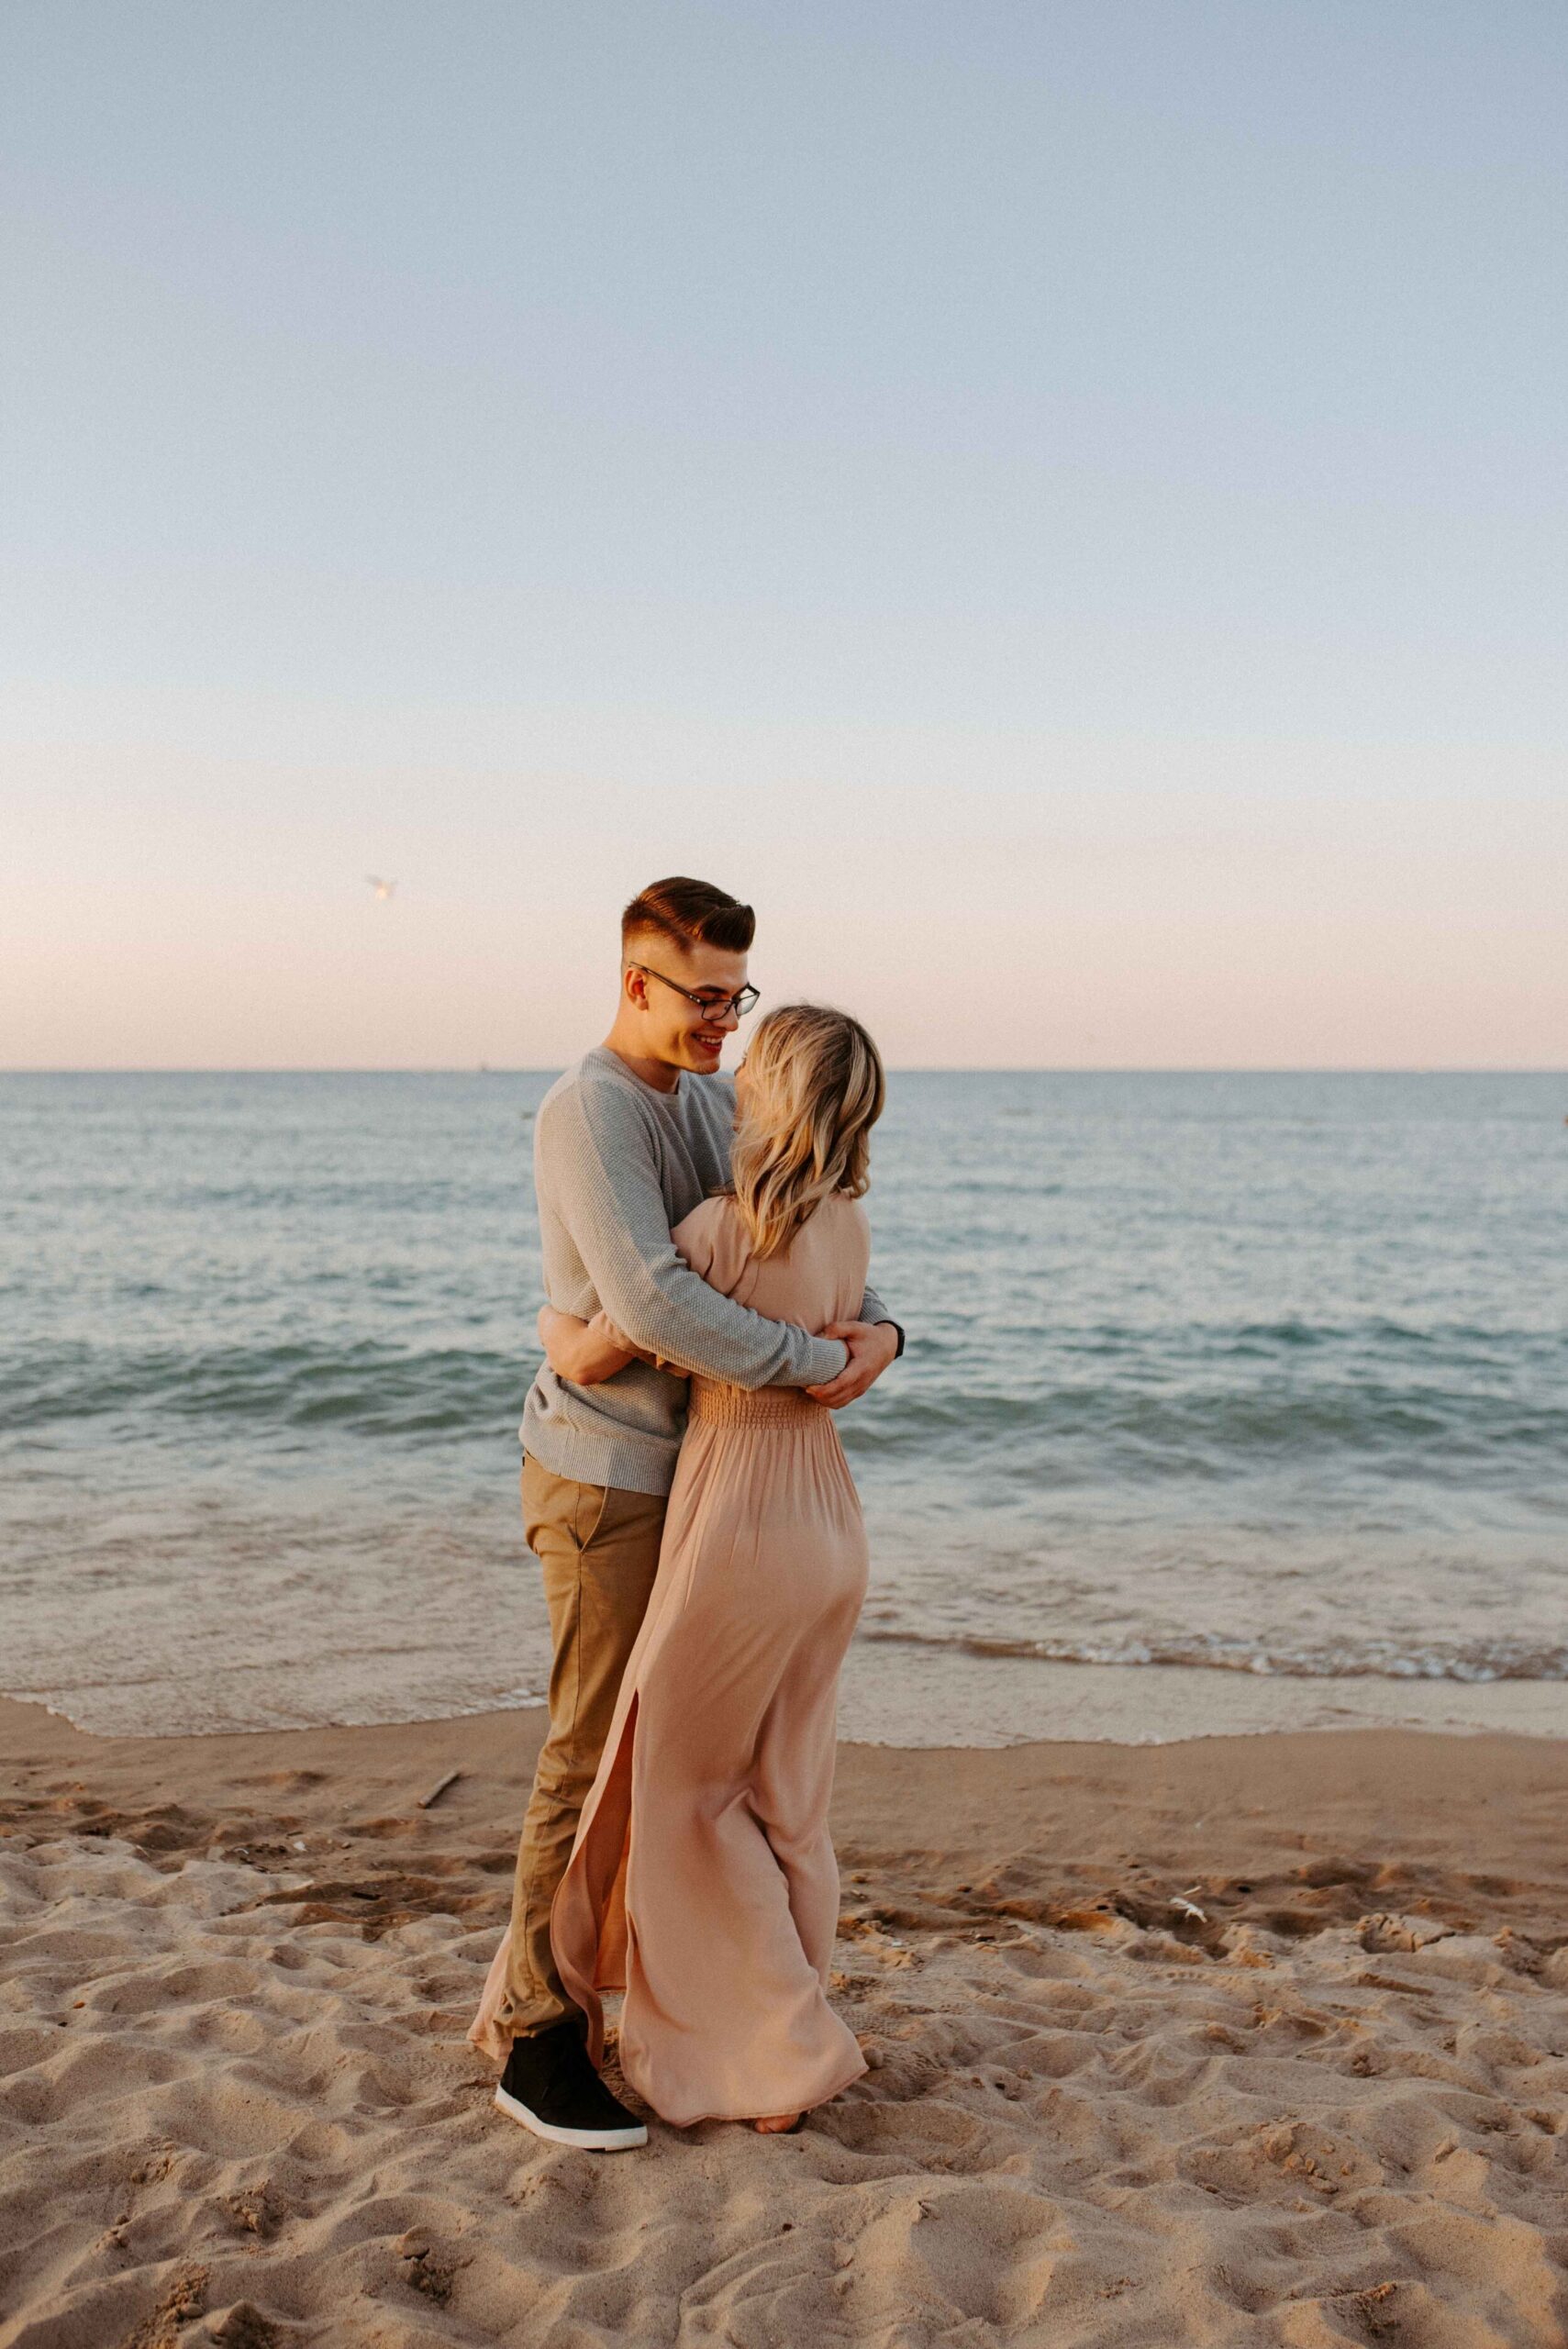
(815,1089)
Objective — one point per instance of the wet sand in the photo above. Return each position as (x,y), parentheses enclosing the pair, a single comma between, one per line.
(1248,2039)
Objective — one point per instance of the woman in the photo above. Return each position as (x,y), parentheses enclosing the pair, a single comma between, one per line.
(703,1880)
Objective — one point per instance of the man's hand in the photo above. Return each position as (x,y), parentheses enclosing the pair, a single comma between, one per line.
(872,1345)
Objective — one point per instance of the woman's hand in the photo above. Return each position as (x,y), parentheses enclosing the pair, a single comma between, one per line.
(585,1353)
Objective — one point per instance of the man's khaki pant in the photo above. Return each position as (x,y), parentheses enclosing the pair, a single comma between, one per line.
(599,1548)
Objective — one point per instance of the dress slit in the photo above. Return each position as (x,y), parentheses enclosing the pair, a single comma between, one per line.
(597,1885)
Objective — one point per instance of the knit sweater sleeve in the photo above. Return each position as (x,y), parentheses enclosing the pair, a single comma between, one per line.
(597,1153)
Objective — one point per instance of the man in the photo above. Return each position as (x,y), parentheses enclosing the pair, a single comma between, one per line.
(625,1145)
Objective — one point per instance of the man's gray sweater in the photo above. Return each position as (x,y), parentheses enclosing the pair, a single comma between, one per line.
(617,1164)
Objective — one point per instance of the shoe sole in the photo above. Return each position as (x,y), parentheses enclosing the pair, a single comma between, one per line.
(592,2141)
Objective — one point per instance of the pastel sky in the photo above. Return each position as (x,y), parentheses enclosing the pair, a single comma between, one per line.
(1062,505)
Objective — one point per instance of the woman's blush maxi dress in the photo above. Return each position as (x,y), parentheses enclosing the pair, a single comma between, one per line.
(703,1880)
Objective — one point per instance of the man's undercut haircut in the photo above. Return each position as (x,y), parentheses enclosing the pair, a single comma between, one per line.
(691,913)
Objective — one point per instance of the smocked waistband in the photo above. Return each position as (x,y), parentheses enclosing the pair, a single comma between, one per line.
(714,1404)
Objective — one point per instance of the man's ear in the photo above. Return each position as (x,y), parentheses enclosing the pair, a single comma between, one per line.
(634,986)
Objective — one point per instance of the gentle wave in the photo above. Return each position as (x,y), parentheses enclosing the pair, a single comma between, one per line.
(1347,1660)
(1202,1430)
(1205,1431)
(367,1389)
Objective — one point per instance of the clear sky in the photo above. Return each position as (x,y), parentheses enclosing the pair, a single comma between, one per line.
(1062,505)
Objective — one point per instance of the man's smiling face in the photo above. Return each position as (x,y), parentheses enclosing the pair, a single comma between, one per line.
(661,979)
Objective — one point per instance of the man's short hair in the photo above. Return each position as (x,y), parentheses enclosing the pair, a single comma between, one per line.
(692,913)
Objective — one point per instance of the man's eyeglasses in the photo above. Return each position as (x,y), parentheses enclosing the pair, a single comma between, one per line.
(718,1006)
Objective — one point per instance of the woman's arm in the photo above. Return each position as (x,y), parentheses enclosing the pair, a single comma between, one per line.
(586,1352)
(589,1351)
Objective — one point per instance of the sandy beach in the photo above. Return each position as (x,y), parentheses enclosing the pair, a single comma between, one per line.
(1240,2040)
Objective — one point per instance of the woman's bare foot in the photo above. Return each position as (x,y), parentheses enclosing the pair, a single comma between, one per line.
(778,2124)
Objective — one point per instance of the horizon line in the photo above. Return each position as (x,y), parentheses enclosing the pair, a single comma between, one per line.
(911,1068)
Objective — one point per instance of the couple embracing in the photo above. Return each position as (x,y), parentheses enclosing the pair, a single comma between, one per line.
(704,1555)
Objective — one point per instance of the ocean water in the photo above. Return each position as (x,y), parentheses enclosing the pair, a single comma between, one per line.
(1252,1372)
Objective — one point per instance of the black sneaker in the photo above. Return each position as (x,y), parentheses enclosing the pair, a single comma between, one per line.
(550,2085)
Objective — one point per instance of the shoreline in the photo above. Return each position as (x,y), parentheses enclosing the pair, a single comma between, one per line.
(898,1694)
(1436,1792)
(904,1696)
(1225,2038)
